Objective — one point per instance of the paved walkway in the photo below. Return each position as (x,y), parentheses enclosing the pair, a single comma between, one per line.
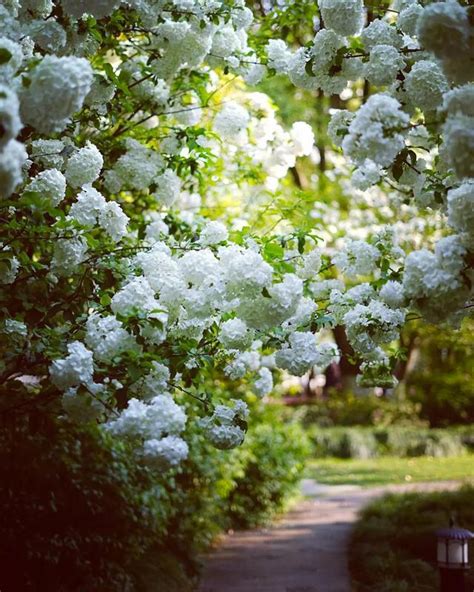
(305,551)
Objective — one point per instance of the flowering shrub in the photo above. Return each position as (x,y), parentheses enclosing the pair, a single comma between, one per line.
(118,294)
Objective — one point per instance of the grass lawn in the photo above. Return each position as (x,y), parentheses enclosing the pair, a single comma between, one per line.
(393,546)
(387,469)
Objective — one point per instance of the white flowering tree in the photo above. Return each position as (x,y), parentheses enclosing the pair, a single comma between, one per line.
(128,128)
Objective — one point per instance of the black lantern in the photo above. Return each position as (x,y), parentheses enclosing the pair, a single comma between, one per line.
(452,555)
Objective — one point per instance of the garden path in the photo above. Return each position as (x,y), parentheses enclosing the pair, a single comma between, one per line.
(305,551)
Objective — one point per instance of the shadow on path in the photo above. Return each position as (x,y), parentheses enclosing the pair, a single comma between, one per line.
(303,552)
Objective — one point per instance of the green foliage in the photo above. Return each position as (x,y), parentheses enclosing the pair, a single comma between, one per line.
(393,548)
(273,456)
(79,512)
(347,409)
(367,442)
(442,380)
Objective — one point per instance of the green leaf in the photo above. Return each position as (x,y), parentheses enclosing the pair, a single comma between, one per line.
(5,55)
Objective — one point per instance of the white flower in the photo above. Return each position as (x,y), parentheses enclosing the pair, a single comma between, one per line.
(357,258)
(168,187)
(231,120)
(89,205)
(166,452)
(57,90)
(311,264)
(245,271)
(84,166)
(459,144)
(11,62)
(375,133)
(461,208)
(50,185)
(81,407)
(136,295)
(338,126)
(68,255)
(77,368)
(303,138)
(460,100)
(302,353)
(392,294)
(107,337)
(13,327)
(264,383)
(279,55)
(383,64)
(113,220)
(425,85)
(379,32)
(10,124)
(345,17)
(234,334)
(213,233)
(443,28)
(12,158)
(224,428)
(408,18)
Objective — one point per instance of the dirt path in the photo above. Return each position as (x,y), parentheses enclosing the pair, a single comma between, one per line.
(303,552)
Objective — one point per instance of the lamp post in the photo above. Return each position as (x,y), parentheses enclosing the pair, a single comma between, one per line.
(452,555)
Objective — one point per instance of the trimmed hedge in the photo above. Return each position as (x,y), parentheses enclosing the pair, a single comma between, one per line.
(367,442)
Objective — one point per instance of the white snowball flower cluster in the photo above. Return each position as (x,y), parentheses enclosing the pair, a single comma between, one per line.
(461,208)
(380,32)
(459,144)
(408,16)
(392,294)
(425,85)
(50,185)
(213,233)
(357,258)
(225,428)
(168,187)
(10,124)
(310,265)
(90,209)
(106,336)
(338,126)
(370,325)
(231,120)
(345,17)
(81,407)
(279,56)
(136,169)
(12,60)
(433,281)
(303,352)
(136,295)
(77,368)
(57,89)
(234,334)
(383,65)
(263,385)
(302,137)
(68,255)
(166,452)
(84,166)
(376,132)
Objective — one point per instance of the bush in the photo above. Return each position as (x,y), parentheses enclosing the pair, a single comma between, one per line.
(367,442)
(393,546)
(80,514)
(273,458)
(347,409)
